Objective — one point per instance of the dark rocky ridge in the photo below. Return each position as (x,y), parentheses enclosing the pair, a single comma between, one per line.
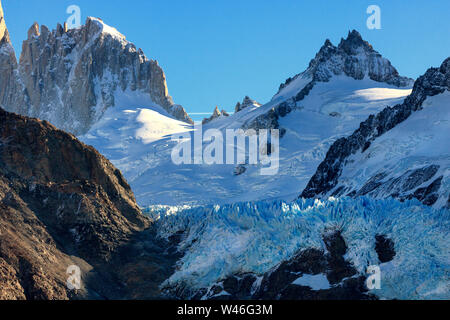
(61,204)
(435,81)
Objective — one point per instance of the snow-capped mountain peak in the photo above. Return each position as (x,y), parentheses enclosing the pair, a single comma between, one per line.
(247,102)
(71,77)
(353,57)
(215,115)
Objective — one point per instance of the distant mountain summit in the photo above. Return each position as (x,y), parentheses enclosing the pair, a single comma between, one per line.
(247,102)
(353,57)
(216,114)
(71,77)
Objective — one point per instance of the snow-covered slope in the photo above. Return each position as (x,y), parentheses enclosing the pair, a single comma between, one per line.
(402,152)
(126,134)
(332,110)
(219,241)
(333,107)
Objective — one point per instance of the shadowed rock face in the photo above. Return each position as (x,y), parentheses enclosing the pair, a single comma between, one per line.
(435,81)
(70,77)
(61,204)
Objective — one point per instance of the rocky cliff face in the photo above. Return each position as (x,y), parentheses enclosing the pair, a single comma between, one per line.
(70,77)
(11,89)
(424,181)
(61,204)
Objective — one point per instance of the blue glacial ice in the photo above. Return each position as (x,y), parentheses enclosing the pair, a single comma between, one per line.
(257,236)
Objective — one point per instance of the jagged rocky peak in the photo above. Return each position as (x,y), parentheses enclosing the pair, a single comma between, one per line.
(247,102)
(34,31)
(71,77)
(353,57)
(216,114)
(354,43)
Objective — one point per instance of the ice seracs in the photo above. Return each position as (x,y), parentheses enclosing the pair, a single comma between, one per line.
(315,244)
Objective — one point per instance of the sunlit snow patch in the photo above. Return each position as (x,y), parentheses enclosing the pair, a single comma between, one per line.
(374,94)
(315,282)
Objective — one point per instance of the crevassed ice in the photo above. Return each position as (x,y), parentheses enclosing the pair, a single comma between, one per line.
(254,237)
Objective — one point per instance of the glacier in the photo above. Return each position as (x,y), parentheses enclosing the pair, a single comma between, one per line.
(254,237)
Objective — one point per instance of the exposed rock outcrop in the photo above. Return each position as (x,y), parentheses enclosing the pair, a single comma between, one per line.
(61,204)
(385,248)
(216,114)
(4,34)
(269,120)
(70,77)
(247,102)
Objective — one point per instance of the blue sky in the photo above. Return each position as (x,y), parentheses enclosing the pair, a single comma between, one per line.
(214,52)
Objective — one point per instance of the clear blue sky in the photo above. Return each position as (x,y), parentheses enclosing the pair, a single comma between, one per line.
(214,52)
